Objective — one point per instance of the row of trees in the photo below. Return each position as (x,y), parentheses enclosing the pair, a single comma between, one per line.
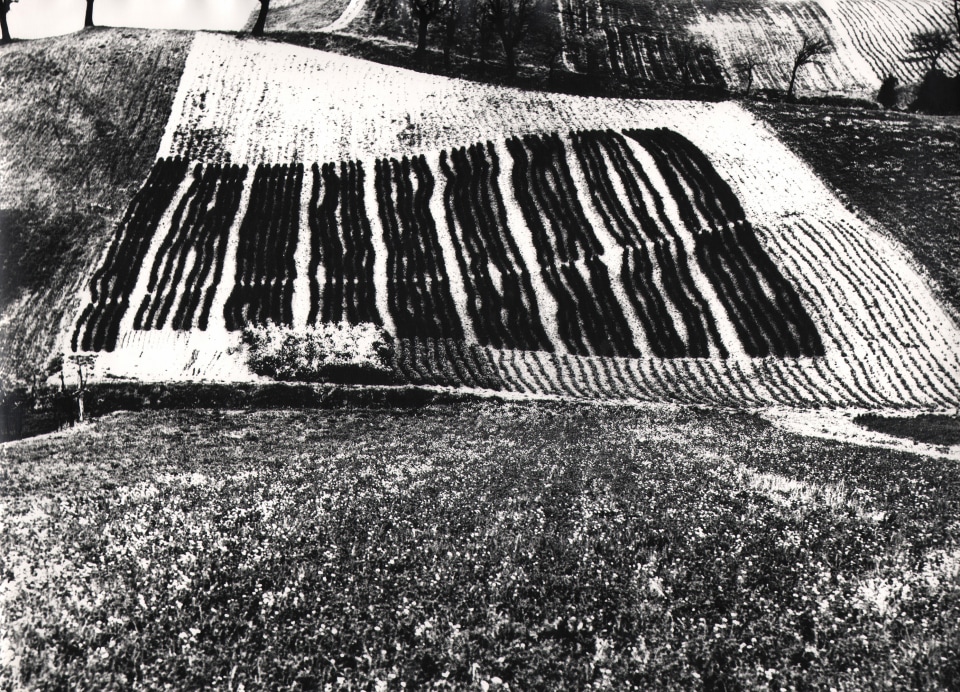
(469,23)
(810,51)
(5,6)
(511,22)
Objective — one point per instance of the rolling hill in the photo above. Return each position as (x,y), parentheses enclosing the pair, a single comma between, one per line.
(80,119)
(660,251)
(649,43)
(161,191)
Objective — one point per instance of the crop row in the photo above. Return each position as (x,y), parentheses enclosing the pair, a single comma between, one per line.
(445,363)
(263,288)
(661,57)
(418,287)
(881,30)
(916,371)
(655,268)
(764,308)
(756,383)
(343,244)
(589,318)
(506,316)
(197,239)
(113,282)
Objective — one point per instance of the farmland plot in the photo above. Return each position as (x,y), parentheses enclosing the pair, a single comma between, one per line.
(535,243)
(700,42)
(773,32)
(880,31)
(870,40)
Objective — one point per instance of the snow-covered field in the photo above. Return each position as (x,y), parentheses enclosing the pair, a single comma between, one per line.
(886,341)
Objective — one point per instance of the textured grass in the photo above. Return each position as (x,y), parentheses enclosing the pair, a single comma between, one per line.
(527,546)
(81,118)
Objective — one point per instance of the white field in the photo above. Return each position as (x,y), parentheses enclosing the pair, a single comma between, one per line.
(889,344)
(870,38)
(773,34)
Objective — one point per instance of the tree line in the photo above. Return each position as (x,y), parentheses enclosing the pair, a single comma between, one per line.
(460,26)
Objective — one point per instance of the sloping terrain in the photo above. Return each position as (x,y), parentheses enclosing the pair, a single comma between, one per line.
(300,15)
(642,250)
(699,42)
(81,117)
(902,170)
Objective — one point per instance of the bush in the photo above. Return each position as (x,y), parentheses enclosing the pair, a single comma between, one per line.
(888,97)
(333,352)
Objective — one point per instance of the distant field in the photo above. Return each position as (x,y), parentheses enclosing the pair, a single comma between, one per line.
(80,120)
(537,545)
(693,42)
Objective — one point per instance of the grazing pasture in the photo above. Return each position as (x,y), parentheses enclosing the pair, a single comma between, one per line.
(531,545)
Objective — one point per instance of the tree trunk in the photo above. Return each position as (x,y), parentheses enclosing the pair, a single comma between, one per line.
(261,18)
(510,51)
(793,81)
(4,31)
(88,19)
(422,24)
(935,60)
(450,36)
(746,92)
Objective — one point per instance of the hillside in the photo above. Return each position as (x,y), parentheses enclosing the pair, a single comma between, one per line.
(661,45)
(901,170)
(610,324)
(739,283)
(656,251)
(81,117)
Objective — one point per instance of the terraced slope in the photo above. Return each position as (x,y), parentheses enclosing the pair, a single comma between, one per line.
(509,240)
(80,119)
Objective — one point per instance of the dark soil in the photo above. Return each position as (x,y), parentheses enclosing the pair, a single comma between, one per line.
(901,170)
(929,428)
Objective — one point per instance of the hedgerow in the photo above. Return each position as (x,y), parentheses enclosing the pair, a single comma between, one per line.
(330,352)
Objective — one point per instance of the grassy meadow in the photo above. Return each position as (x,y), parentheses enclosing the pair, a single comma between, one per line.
(484,545)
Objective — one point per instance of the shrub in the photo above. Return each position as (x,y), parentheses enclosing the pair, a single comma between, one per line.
(329,352)
(888,97)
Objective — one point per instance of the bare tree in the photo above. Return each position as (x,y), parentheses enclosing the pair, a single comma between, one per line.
(810,50)
(88,17)
(510,20)
(4,30)
(450,21)
(425,11)
(929,45)
(261,18)
(746,65)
